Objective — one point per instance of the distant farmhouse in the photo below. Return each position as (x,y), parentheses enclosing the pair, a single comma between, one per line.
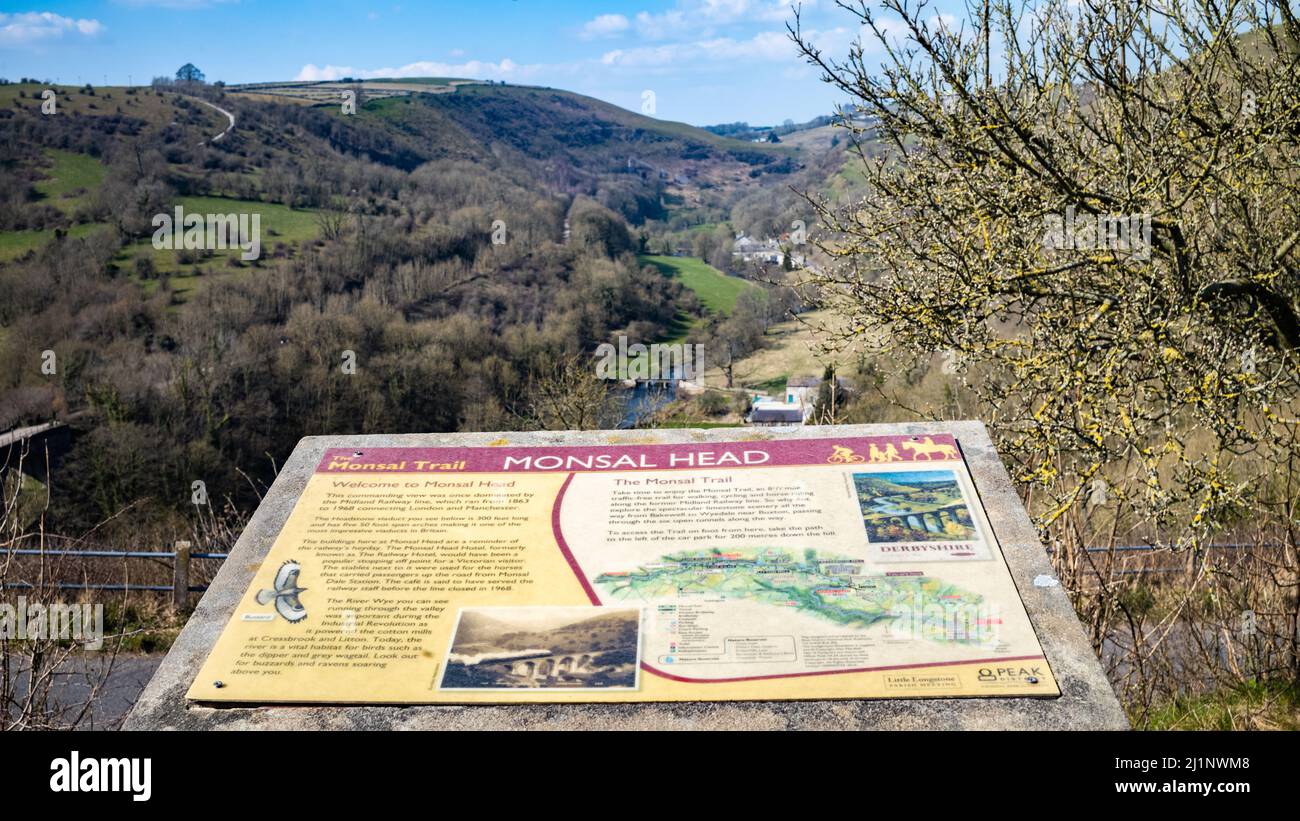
(749,249)
(769,250)
(802,390)
(795,407)
(776,414)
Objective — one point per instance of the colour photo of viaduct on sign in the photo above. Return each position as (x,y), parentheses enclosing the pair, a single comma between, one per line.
(916,506)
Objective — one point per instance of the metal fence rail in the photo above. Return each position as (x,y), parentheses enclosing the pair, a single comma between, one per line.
(1146,548)
(1205,548)
(112,554)
(148,588)
(180,557)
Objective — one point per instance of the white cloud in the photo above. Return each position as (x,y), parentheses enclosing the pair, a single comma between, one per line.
(606,25)
(945,21)
(898,32)
(659,26)
(766,46)
(471,69)
(28,27)
(688,50)
(700,16)
(181,5)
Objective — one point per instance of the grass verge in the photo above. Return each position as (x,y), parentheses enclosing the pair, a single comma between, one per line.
(1268,705)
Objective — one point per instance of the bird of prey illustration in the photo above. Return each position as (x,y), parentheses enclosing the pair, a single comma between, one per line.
(285,593)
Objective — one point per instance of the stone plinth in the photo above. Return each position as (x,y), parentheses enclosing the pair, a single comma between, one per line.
(1087,701)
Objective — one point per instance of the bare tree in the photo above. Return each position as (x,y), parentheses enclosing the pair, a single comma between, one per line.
(565,394)
(1092,208)
(332,218)
(43,664)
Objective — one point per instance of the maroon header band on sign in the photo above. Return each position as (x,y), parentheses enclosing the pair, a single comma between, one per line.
(847,451)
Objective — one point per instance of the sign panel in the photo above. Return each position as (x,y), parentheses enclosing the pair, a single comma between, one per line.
(800,569)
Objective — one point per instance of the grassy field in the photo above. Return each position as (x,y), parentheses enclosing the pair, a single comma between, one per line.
(716,290)
(816,140)
(791,346)
(388,108)
(434,81)
(14,244)
(328,93)
(790,351)
(70,179)
(279,223)
(155,108)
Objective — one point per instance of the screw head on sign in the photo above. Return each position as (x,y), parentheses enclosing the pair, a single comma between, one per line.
(1032,679)
(218,684)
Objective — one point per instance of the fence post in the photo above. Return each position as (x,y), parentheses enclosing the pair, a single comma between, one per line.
(181,576)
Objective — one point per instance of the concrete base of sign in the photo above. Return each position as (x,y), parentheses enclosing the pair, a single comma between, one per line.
(1087,701)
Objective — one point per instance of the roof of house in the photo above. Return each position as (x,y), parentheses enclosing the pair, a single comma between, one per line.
(802,382)
(790,414)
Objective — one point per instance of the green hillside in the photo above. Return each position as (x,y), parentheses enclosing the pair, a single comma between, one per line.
(70,179)
(13,244)
(716,290)
(283,229)
(599,111)
(573,134)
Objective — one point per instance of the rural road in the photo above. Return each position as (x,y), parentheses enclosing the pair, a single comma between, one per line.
(221,110)
(129,675)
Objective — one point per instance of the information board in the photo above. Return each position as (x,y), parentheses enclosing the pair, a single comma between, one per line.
(745,570)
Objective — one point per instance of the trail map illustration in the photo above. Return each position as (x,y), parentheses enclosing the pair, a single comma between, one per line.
(828,586)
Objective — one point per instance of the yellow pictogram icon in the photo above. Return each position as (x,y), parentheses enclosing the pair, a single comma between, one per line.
(844,456)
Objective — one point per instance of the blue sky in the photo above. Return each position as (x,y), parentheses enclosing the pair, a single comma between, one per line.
(707,61)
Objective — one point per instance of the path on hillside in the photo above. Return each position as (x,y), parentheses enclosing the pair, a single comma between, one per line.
(218,108)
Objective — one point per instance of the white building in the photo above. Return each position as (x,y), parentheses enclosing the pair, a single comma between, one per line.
(753,250)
